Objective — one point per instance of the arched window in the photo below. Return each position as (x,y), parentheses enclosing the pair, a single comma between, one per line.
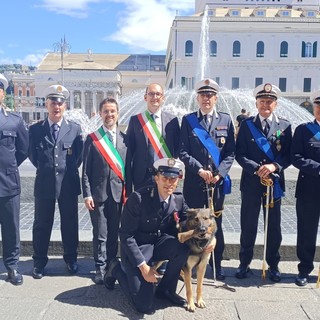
(260,49)
(306,49)
(188,49)
(314,52)
(236,49)
(213,48)
(284,49)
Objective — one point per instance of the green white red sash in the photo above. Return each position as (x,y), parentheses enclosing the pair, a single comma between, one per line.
(156,139)
(110,154)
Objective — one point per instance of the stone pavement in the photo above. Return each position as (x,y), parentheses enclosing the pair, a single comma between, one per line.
(61,296)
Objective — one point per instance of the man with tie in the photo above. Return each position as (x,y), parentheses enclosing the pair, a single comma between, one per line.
(103,184)
(207,150)
(56,151)
(263,152)
(148,234)
(305,155)
(152,135)
(14,140)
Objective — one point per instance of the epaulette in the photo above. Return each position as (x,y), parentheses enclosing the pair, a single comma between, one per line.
(280,118)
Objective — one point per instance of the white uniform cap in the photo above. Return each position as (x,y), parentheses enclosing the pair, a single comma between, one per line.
(315,97)
(169,167)
(267,90)
(57,92)
(207,86)
(3,82)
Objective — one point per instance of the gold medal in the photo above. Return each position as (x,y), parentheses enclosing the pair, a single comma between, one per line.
(223,140)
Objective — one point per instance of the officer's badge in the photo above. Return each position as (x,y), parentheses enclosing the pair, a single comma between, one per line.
(59,89)
(207,82)
(69,152)
(171,162)
(268,87)
(223,140)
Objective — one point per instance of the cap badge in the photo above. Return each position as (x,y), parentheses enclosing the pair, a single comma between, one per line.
(171,162)
(59,88)
(207,82)
(267,87)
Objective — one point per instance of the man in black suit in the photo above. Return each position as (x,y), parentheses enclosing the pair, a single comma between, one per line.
(305,155)
(148,234)
(144,146)
(263,151)
(56,151)
(103,184)
(14,140)
(207,150)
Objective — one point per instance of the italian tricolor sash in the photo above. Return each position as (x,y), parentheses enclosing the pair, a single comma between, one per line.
(156,139)
(110,154)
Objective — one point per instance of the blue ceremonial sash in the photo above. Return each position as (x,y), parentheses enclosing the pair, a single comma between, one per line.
(265,147)
(315,129)
(208,143)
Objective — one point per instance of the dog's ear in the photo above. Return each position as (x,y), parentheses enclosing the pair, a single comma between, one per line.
(192,212)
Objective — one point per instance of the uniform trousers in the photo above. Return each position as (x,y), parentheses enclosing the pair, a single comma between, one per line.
(10,222)
(141,293)
(251,202)
(42,227)
(308,212)
(105,219)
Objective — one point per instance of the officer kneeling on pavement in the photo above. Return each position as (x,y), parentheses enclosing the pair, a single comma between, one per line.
(148,234)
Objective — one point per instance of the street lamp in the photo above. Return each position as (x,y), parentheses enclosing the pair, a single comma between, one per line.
(63,47)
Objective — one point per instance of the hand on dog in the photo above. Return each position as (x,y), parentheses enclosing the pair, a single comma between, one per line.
(211,246)
(149,274)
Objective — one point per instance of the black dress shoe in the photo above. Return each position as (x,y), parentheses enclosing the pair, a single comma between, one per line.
(274,274)
(72,267)
(109,280)
(302,279)
(37,273)
(15,277)
(173,297)
(242,272)
(220,274)
(148,311)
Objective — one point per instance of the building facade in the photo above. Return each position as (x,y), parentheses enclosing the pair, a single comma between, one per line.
(242,43)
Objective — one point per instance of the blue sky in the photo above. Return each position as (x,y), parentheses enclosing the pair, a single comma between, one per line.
(31,28)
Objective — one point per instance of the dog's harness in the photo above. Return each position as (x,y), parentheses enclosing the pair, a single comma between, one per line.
(200,245)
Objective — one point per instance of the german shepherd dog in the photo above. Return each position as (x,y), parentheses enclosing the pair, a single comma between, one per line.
(198,231)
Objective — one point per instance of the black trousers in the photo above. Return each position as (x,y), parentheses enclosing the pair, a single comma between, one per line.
(105,219)
(308,212)
(252,201)
(10,222)
(42,228)
(140,292)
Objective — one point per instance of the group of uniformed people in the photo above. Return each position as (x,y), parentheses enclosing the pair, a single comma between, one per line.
(130,180)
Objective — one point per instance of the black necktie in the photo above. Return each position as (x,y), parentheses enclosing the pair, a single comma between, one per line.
(164,206)
(266,127)
(55,131)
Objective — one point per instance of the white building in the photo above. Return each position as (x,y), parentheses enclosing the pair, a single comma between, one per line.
(249,42)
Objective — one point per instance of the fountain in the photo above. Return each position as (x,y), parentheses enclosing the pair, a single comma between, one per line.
(179,101)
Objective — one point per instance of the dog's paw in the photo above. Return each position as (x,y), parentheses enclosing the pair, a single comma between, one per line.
(201,304)
(191,307)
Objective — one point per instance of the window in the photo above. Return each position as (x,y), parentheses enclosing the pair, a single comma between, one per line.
(284,49)
(307,85)
(314,51)
(310,14)
(258,81)
(28,93)
(234,12)
(188,83)
(260,49)
(260,13)
(236,49)
(235,83)
(213,48)
(283,84)
(306,50)
(189,48)
(285,13)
